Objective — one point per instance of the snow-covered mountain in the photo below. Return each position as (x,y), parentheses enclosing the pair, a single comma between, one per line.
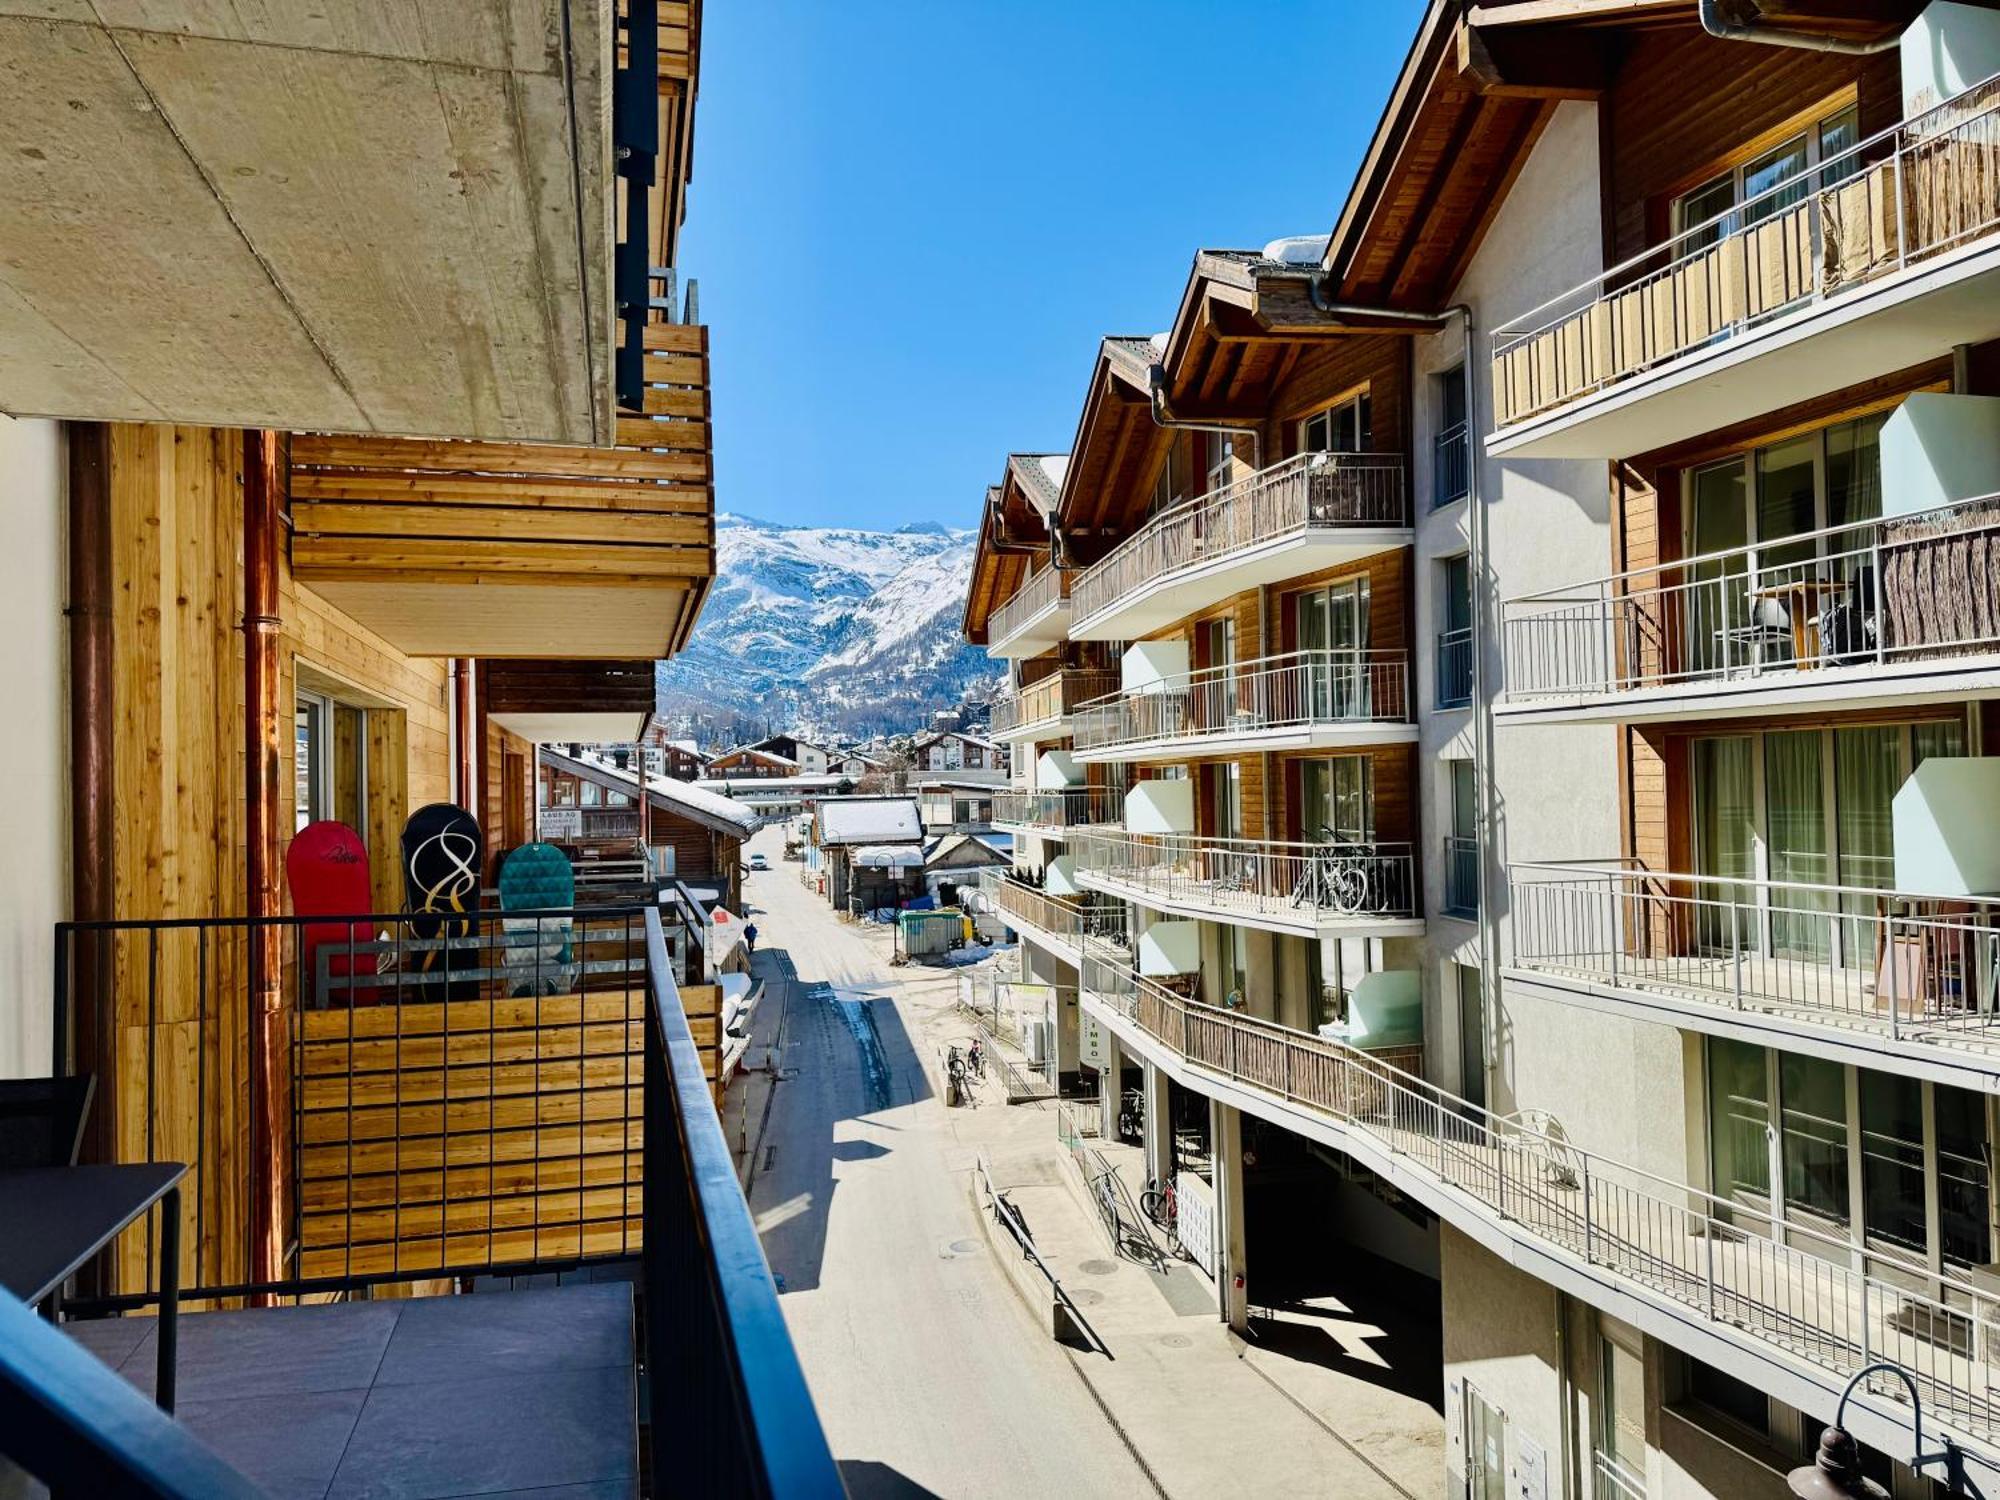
(834,629)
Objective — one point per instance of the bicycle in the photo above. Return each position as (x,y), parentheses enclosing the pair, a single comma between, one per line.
(1132,1115)
(957,1089)
(1334,879)
(1161,1204)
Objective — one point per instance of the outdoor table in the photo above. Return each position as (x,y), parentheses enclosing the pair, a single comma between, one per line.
(58,1218)
(1803,599)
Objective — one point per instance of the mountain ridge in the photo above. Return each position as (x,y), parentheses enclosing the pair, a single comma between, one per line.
(830,629)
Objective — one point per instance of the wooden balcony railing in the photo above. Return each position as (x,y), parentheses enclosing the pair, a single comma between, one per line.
(1910,193)
(1305,493)
(1040,592)
(1051,699)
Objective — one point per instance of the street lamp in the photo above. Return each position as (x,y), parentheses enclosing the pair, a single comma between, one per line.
(1835,1472)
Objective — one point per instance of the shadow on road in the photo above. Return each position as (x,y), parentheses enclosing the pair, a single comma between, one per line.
(847,1058)
(869,1480)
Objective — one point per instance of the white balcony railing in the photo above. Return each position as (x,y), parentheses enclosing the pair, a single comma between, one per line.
(1303,690)
(1613,1481)
(1785,1286)
(1911,192)
(1061,807)
(1877,593)
(1911,967)
(1051,699)
(1307,492)
(1251,878)
(1036,595)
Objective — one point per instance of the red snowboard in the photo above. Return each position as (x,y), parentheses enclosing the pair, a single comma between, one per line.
(327,869)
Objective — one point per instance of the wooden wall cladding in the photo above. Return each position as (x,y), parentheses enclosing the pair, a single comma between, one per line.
(517,549)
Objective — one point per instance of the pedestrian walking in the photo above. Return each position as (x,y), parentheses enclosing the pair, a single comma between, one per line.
(750,937)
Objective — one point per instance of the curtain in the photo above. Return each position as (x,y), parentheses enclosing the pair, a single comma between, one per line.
(1868,768)
(1795,810)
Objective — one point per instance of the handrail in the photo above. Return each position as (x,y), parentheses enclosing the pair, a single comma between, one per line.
(1038,591)
(1741,1267)
(1010,1219)
(717,1340)
(70,1421)
(1827,170)
(1373,878)
(1304,491)
(1056,807)
(1306,687)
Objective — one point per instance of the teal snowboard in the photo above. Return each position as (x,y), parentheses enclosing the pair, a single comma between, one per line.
(540,954)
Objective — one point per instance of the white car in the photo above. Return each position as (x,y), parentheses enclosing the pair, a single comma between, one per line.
(758,862)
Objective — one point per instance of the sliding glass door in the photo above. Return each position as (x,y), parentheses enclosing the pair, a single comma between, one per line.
(1725,839)
(1333,637)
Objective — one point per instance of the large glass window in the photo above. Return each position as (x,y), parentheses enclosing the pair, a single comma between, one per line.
(1336,799)
(1739,1121)
(1725,837)
(1744,182)
(1345,428)
(1892,1161)
(1621,1400)
(1965,1177)
(1813,1136)
(1796,834)
(1332,631)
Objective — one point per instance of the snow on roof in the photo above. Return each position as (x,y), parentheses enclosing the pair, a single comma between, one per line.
(870,820)
(887,857)
(745,752)
(706,807)
(1297,249)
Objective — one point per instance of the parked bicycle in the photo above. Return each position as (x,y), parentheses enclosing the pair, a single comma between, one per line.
(1335,877)
(1161,1204)
(1132,1115)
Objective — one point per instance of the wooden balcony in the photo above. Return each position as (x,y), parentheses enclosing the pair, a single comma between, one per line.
(521,550)
(589,702)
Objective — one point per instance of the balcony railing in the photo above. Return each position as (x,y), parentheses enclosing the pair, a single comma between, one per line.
(1454,668)
(1611,1480)
(1461,875)
(1022,905)
(1301,691)
(1911,967)
(1038,593)
(1451,464)
(1050,700)
(1307,492)
(1911,192)
(1307,884)
(1784,1286)
(477,1095)
(1057,809)
(1878,593)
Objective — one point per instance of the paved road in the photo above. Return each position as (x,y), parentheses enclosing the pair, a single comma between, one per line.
(927,1371)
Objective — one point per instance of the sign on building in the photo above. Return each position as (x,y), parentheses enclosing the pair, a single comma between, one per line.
(559,825)
(1090,1042)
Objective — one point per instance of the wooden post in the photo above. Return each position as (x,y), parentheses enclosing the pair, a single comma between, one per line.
(87,1048)
(263,490)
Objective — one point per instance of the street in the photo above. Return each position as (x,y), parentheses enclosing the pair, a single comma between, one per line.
(929,1375)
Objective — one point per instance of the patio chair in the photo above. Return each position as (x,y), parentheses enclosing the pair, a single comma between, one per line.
(1767,629)
(41,1120)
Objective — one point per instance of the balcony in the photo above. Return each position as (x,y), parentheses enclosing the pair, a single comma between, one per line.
(1052,813)
(515,549)
(1876,259)
(1311,511)
(1041,710)
(491,1104)
(1878,978)
(569,702)
(1302,701)
(1454,668)
(1034,619)
(1451,465)
(1313,890)
(1777,1304)
(1048,921)
(1461,876)
(1901,608)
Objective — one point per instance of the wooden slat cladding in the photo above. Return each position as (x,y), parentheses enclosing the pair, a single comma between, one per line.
(599,551)
(568,686)
(1664,137)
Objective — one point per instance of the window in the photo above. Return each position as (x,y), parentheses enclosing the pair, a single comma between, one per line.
(1471,1034)
(1170,484)
(1331,628)
(1451,452)
(1461,895)
(1769,183)
(1917,1143)
(1337,800)
(1221,460)
(1453,688)
(329,762)
(1339,429)
(1621,1413)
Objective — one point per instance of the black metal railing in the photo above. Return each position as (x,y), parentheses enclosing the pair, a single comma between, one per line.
(512,1093)
(1451,464)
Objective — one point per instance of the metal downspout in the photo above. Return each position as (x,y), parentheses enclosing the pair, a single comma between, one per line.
(263,492)
(1717,25)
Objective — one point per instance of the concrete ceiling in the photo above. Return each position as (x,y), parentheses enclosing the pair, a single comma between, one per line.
(359,216)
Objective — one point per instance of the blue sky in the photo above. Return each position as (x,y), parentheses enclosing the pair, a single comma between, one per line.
(911,220)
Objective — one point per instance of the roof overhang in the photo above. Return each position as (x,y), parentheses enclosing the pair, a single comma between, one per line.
(276,216)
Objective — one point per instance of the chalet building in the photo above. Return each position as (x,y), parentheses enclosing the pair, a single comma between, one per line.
(681,759)
(752,763)
(865,853)
(1505,696)
(355,443)
(688,834)
(955,750)
(954,806)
